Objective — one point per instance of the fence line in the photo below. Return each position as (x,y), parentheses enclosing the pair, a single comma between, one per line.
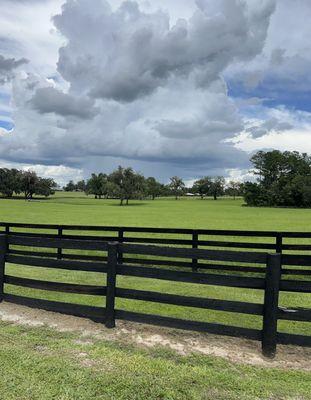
(122,259)
(195,238)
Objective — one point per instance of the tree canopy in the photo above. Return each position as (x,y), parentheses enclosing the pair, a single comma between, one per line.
(177,186)
(13,181)
(284,179)
(208,186)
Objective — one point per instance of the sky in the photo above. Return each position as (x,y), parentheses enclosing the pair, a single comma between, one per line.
(169,87)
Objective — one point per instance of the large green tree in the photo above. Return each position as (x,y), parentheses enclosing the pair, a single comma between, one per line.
(129,183)
(153,187)
(10,181)
(31,184)
(272,166)
(284,179)
(26,182)
(234,189)
(177,186)
(81,186)
(202,186)
(70,187)
(217,187)
(97,185)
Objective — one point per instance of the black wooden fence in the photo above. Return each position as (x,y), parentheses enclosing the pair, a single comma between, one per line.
(195,238)
(128,257)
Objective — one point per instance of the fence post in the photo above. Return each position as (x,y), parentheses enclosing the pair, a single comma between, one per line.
(120,239)
(271,302)
(111,284)
(278,243)
(3,250)
(194,246)
(59,250)
(7,231)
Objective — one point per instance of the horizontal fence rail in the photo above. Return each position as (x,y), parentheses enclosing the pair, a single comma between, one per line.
(175,255)
(259,241)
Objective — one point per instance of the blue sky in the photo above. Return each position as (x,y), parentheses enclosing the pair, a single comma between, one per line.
(274,93)
(6,125)
(170,87)
(6,121)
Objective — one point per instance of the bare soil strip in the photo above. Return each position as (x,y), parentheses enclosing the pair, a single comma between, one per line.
(184,343)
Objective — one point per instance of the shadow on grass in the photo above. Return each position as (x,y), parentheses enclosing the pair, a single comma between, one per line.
(127,205)
(94,202)
(34,199)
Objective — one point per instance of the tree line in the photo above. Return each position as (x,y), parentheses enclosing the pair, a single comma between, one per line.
(283,180)
(17,182)
(123,183)
(126,184)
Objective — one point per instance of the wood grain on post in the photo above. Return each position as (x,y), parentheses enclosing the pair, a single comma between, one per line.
(111,284)
(3,250)
(271,302)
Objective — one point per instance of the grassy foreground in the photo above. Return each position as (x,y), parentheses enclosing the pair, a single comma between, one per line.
(41,364)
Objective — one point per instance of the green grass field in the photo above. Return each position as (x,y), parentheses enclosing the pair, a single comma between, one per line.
(75,208)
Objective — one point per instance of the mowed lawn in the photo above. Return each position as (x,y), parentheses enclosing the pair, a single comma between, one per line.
(76,208)
(118,372)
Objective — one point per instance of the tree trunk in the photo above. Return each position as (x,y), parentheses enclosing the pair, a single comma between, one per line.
(215,196)
(127,201)
(121,202)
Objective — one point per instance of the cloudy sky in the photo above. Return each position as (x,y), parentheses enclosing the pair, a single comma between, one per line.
(170,87)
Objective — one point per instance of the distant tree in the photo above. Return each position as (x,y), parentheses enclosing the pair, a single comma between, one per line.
(284,179)
(10,181)
(255,195)
(28,183)
(166,190)
(217,187)
(177,186)
(112,190)
(271,166)
(129,183)
(202,186)
(97,185)
(234,189)
(70,187)
(45,187)
(141,187)
(32,184)
(153,187)
(81,186)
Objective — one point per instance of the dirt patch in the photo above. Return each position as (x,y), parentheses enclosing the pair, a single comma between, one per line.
(84,360)
(184,343)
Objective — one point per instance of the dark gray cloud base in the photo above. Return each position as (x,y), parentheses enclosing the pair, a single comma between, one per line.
(8,66)
(50,100)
